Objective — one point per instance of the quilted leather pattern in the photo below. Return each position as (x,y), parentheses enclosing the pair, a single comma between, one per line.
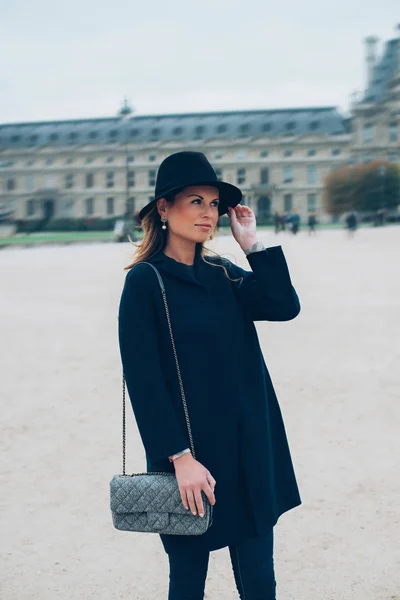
(152,503)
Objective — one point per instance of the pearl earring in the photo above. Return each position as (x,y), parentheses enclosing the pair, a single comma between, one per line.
(163,220)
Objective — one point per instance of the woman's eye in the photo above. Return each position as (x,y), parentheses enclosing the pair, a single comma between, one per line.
(214,203)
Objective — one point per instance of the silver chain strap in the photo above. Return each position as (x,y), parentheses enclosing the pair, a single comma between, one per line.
(182,394)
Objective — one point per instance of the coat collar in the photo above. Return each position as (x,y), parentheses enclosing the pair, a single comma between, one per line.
(189,274)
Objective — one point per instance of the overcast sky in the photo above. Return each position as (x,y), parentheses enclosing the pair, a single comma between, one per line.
(78,59)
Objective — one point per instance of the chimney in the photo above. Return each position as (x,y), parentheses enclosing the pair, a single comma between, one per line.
(370,43)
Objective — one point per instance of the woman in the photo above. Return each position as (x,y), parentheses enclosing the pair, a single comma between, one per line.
(243,460)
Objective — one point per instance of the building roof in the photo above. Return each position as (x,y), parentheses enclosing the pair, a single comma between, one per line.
(383,73)
(147,128)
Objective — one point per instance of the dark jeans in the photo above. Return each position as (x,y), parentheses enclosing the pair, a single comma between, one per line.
(253,569)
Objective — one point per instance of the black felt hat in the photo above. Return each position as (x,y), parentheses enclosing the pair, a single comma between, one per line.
(182,169)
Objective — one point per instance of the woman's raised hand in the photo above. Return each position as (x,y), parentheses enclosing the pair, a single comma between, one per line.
(243,225)
(193,478)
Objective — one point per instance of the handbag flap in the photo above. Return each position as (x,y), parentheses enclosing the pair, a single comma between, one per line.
(145,493)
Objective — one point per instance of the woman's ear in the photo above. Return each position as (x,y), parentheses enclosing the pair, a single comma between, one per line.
(161,207)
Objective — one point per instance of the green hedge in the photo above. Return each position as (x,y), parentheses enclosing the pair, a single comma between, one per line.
(85,224)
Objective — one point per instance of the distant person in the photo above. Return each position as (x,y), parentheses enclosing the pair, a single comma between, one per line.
(312,223)
(351,223)
(295,222)
(379,217)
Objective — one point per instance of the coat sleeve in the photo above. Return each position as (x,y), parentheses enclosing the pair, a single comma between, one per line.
(266,292)
(159,428)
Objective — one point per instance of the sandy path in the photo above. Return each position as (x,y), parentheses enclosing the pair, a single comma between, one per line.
(336,372)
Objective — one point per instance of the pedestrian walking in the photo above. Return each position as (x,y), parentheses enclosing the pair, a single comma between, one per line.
(277,222)
(243,464)
(312,223)
(351,223)
(295,222)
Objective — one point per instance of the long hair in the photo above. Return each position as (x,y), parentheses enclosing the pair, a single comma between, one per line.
(155,240)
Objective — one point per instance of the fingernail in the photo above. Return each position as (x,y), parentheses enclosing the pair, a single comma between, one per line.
(202,514)
(193,512)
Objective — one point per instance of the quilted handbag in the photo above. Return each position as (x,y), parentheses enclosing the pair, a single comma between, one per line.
(151,502)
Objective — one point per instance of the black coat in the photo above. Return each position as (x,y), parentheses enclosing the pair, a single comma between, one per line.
(236,421)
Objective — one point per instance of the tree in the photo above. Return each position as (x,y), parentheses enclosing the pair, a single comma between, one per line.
(365,188)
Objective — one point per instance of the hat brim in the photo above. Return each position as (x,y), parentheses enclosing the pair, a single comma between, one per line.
(229,196)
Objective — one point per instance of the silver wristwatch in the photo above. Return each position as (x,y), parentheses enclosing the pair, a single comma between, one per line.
(257,247)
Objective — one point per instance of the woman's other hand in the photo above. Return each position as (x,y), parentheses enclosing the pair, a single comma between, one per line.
(193,478)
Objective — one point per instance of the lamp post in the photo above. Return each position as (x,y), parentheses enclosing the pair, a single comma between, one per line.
(129,213)
(382,172)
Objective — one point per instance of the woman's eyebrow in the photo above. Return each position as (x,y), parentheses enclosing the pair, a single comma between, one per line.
(201,197)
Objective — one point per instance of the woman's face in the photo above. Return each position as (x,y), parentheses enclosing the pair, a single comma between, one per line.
(194,214)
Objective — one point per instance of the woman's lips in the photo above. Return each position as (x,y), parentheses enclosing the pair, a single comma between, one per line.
(204,226)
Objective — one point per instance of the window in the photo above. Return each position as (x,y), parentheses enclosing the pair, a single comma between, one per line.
(264,176)
(152,157)
(15,138)
(89,206)
(69,180)
(287,152)
(218,173)
(131,178)
(113,135)
(221,129)
(177,131)
(311,152)
(30,182)
(89,180)
(244,130)
(29,163)
(30,208)
(314,125)
(393,157)
(49,181)
(241,176)
(393,132)
(266,127)
(287,174)
(198,131)
(130,158)
(69,160)
(242,154)
(93,135)
(155,133)
(264,153)
(134,132)
(110,206)
(110,159)
(287,202)
(312,174)
(335,151)
(54,137)
(312,202)
(88,160)
(110,179)
(218,154)
(33,139)
(290,125)
(368,133)
(10,184)
(72,136)
(49,161)
(152,178)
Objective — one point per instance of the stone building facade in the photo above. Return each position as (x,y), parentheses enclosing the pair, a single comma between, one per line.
(106,168)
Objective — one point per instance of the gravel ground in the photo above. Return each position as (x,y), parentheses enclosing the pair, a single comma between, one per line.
(336,373)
